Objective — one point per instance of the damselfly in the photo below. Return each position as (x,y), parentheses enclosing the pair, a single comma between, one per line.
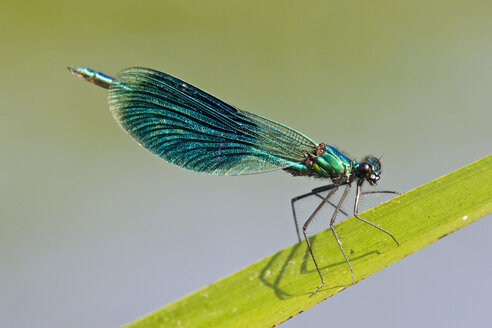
(192,129)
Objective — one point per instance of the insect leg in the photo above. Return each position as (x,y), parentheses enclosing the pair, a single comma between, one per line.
(380,192)
(332,223)
(305,226)
(356,214)
(315,192)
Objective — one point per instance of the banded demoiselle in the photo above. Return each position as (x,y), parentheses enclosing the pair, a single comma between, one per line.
(192,129)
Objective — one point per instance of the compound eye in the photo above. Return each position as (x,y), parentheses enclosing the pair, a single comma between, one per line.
(365,168)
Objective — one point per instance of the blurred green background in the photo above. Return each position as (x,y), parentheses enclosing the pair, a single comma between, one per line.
(95,231)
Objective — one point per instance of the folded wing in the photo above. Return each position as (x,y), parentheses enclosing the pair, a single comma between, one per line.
(190,128)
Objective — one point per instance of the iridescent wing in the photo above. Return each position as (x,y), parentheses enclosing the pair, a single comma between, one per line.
(190,128)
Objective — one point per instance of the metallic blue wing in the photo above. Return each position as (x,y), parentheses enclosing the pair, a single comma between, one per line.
(190,128)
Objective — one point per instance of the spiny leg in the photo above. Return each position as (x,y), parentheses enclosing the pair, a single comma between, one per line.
(305,226)
(356,211)
(314,192)
(332,223)
(380,192)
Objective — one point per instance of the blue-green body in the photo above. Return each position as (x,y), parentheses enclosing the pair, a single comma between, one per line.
(332,164)
(191,128)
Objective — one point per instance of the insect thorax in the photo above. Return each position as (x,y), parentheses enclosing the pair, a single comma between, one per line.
(326,162)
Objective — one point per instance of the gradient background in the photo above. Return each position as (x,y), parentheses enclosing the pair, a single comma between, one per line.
(95,231)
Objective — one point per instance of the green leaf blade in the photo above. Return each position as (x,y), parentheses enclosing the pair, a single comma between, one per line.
(280,286)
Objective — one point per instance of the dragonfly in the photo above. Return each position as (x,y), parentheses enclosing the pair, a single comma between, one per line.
(191,128)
